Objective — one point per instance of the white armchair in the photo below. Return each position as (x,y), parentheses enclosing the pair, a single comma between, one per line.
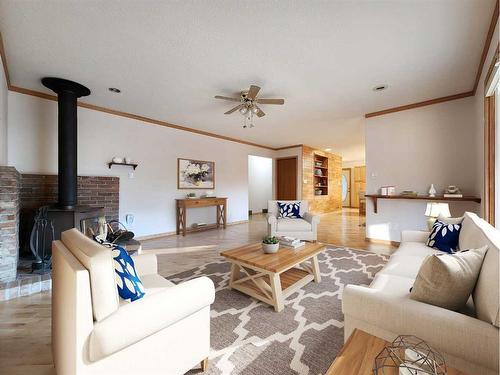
(95,332)
(304,229)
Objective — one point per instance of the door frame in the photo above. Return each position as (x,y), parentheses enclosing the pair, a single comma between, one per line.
(349,187)
(296,173)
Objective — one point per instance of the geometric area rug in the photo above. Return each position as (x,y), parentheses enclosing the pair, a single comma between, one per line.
(248,337)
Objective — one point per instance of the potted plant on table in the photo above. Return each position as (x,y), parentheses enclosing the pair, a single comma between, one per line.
(270,244)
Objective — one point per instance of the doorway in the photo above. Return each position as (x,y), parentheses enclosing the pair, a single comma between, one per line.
(286,178)
(260,183)
(346,187)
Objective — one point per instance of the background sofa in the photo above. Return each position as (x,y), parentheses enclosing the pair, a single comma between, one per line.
(304,229)
(96,332)
(468,339)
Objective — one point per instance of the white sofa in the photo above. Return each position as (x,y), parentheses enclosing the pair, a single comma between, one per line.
(305,229)
(469,340)
(95,332)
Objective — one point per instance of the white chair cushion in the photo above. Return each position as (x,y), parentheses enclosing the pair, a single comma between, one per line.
(476,233)
(153,283)
(98,261)
(293,225)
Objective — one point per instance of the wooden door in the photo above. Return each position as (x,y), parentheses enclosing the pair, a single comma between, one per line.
(359,184)
(286,178)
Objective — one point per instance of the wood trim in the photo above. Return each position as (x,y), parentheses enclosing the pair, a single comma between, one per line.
(420,104)
(286,147)
(4,62)
(489,159)
(138,117)
(486,47)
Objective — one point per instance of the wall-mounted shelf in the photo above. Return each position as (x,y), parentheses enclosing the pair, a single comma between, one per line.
(127,164)
(375,197)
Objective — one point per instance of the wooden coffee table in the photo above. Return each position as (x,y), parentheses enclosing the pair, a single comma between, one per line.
(271,278)
(358,356)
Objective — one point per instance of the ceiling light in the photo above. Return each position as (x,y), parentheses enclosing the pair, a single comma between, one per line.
(255,110)
(380,88)
(243,110)
(115,90)
(328,149)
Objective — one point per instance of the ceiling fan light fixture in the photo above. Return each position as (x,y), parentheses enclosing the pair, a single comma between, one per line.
(243,110)
(255,110)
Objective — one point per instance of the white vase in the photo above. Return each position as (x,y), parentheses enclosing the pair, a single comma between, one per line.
(432,191)
(270,248)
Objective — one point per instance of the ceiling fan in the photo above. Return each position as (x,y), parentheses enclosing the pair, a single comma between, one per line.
(248,103)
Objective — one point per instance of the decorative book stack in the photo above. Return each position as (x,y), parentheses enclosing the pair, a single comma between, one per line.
(291,242)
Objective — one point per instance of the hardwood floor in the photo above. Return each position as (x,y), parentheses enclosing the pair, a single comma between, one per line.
(25,322)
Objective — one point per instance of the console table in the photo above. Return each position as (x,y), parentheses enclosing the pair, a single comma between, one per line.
(183,204)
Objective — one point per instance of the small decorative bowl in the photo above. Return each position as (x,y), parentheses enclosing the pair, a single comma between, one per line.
(116,159)
(270,248)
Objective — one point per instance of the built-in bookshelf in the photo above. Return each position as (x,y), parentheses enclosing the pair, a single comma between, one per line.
(320,175)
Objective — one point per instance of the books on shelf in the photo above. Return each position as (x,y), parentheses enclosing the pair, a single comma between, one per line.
(453,195)
(409,193)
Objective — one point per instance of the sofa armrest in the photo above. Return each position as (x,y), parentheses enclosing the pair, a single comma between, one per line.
(313,219)
(414,236)
(448,331)
(135,321)
(145,264)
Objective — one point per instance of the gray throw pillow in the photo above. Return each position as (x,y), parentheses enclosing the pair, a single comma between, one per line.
(447,280)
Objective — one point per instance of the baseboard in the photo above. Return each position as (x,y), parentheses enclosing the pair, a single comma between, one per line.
(189,230)
(382,242)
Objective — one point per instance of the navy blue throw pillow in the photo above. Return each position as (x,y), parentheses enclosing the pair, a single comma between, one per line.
(127,281)
(289,210)
(444,237)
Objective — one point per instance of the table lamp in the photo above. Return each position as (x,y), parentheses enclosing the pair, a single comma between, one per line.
(435,209)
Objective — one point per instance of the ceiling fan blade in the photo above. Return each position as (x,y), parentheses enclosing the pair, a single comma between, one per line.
(271,101)
(252,93)
(227,98)
(233,109)
(259,112)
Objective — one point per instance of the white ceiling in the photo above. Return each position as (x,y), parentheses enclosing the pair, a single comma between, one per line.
(170,58)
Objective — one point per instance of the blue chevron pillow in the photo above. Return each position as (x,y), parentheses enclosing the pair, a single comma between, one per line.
(289,210)
(127,281)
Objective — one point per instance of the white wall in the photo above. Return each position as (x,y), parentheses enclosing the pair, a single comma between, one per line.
(260,182)
(3,116)
(151,194)
(412,149)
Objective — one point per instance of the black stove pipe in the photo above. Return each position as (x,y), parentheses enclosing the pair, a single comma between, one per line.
(67,94)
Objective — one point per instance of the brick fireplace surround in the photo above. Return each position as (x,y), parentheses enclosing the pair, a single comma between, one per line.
(30,191)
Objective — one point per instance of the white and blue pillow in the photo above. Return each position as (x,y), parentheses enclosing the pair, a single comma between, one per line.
(289,210)
(127,281)
(444,236)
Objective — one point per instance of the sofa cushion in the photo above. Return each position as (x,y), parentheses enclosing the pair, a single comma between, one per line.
(447,280)
(99,263)
(153,283)
(418,249)
(403,265)
(397,286)
(293,225)
(476,233)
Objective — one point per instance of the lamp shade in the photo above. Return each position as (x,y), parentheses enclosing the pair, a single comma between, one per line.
(435,209)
